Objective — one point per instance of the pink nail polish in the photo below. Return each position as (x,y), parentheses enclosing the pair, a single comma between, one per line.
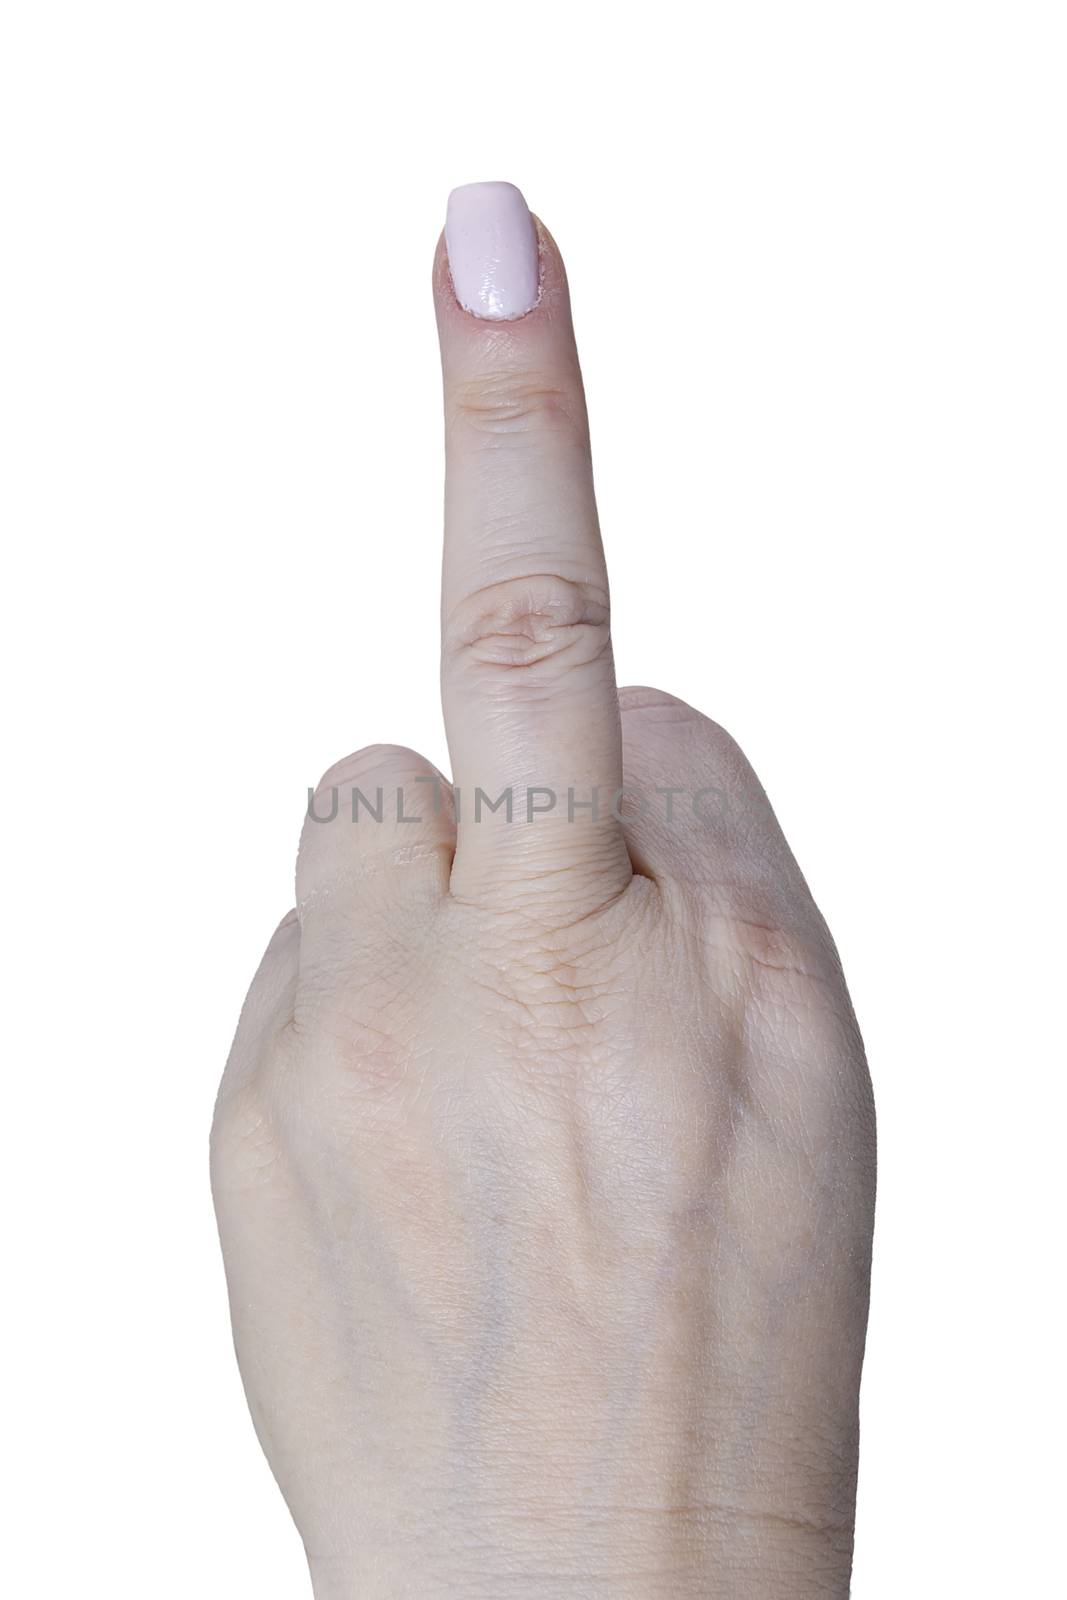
(492,251)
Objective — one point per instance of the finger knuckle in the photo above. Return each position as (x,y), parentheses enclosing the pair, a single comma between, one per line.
(373,760)
(776,937)
(525,628)
(244,1148)
(656,708)
(511,402)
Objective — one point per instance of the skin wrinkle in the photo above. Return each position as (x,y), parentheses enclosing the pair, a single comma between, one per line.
(523,596)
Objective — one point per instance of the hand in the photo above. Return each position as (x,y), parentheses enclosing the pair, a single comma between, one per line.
(544,1157)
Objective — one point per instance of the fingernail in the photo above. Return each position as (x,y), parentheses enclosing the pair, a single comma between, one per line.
(492,251)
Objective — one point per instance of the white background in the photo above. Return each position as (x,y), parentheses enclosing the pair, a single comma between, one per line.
(818,265)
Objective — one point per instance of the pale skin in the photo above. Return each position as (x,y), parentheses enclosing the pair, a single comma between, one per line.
(544,1156)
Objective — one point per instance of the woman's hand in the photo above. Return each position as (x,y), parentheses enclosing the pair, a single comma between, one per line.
(544,1158)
